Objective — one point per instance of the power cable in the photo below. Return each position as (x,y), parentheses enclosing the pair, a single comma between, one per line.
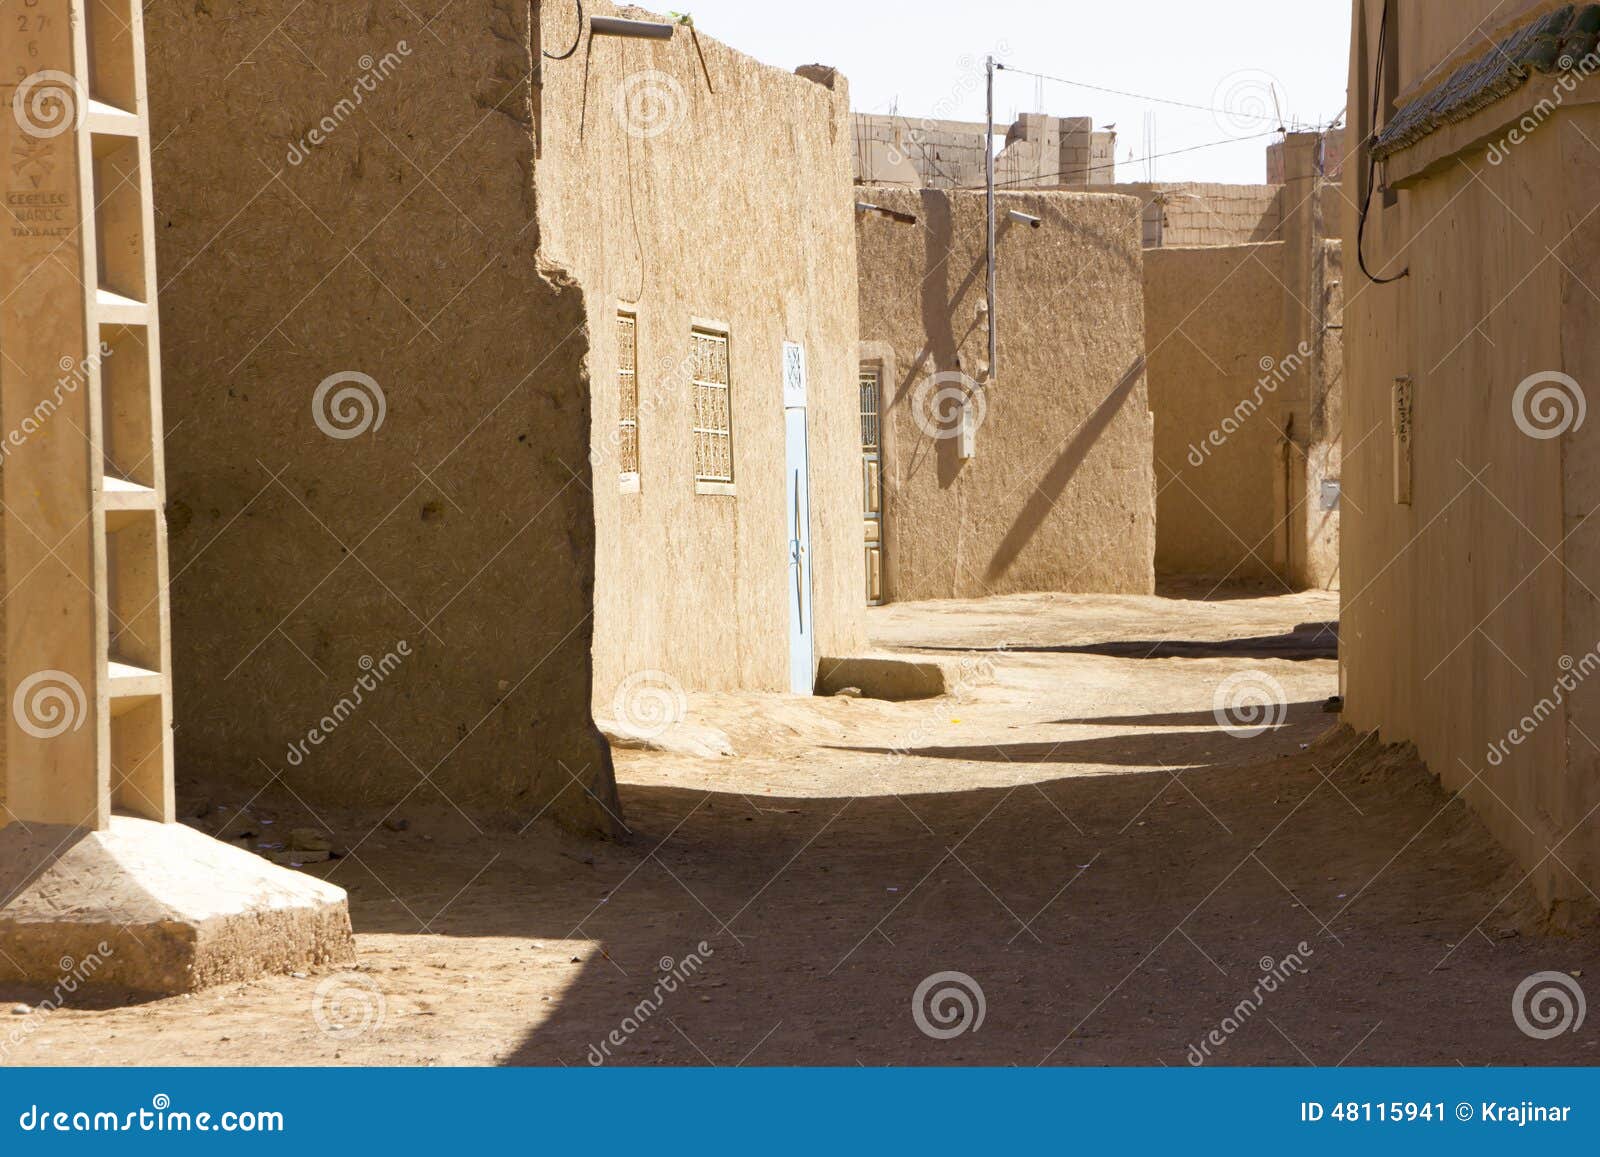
(1140,96)
(1372,159)
(1133,160)
(577,40)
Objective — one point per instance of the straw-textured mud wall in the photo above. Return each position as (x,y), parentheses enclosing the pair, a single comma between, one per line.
(691,186)
(382,586)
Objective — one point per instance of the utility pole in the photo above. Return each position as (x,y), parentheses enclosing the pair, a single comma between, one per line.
(988,165)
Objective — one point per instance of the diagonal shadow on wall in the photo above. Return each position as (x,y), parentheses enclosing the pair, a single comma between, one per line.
(1049,489)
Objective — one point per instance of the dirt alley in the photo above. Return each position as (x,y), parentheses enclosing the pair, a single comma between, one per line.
(1072,829)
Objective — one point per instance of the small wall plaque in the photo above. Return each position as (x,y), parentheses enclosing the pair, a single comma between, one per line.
(1404,433)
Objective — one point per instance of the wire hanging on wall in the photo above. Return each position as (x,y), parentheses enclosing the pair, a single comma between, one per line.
(1372,158)
(577,40)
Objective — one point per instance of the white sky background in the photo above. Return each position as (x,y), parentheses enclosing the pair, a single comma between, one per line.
(928,55)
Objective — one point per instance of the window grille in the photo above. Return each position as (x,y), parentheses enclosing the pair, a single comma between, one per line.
(713,416)
(870,437)
(628,394)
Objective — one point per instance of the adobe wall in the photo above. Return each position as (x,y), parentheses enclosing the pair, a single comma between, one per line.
(1214,330)
(341,189)
(1059,496)
(1459,622)
(728,201)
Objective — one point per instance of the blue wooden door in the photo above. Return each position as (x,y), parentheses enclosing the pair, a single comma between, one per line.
(802,664)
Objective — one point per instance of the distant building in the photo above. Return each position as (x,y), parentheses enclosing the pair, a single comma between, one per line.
(1043,152)
(1328,156)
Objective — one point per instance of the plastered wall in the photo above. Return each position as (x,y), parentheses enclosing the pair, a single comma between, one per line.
(343,190)
(719,193)
(1468,612)
(1059,493)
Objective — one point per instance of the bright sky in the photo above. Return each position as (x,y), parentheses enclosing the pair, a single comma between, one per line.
(1241,56)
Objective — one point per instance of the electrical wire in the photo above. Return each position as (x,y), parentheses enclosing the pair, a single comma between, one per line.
(577,40)
(1129,161)
(1372,159)
(1278,120)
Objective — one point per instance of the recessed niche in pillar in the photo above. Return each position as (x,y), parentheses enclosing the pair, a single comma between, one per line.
(125,404)
(138,756)
(113,54)
(119,216)
(133,581)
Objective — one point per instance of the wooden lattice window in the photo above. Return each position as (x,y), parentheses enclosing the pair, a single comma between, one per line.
(713,413)
(627,395)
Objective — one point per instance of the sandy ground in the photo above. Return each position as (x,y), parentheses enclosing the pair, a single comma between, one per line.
(1071,829)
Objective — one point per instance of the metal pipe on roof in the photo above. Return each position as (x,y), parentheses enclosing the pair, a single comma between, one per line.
(635,29)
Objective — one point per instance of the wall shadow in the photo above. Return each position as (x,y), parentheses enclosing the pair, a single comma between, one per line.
(1306,642)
